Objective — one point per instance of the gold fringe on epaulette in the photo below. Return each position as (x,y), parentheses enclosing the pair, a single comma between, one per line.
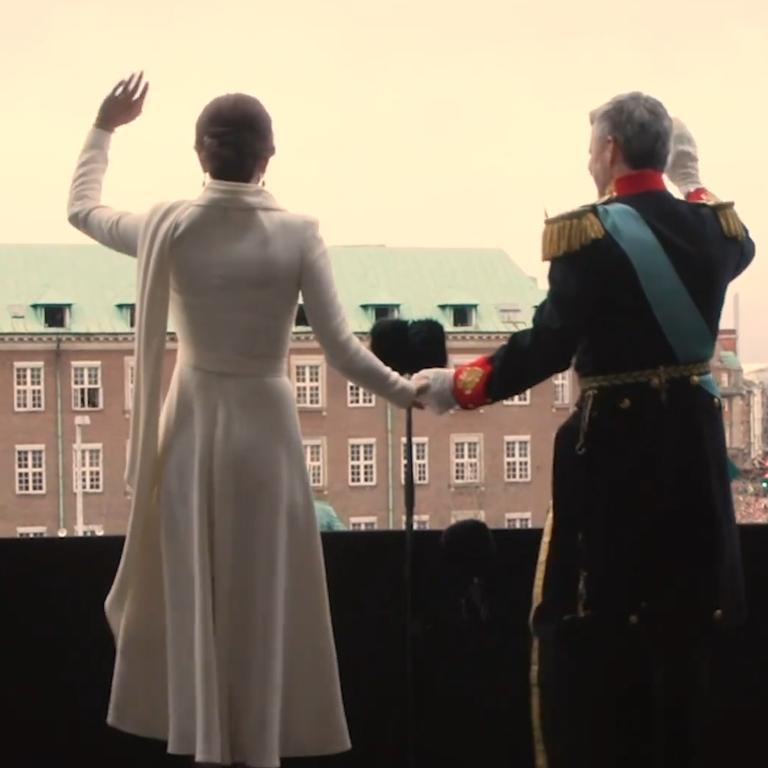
(566,234)
(730,221)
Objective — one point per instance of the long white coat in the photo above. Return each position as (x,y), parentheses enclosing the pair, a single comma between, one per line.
(219,608)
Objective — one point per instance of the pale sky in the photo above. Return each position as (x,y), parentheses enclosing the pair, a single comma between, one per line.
(403,122)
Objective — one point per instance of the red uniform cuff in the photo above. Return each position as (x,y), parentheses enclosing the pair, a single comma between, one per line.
(470,383)
(701,195)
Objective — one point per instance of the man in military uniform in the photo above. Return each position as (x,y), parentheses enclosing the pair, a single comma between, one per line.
(640,557)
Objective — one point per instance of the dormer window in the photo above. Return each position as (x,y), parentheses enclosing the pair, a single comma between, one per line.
(301,320)
(55,315)
(129,314)
(462,315)
(382,311)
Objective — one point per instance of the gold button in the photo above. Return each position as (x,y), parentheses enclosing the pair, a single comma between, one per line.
(634,619)
(655,382)
(718,615)
(695,380)
(625,403)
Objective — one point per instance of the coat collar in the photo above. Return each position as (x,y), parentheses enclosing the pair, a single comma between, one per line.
(236,195)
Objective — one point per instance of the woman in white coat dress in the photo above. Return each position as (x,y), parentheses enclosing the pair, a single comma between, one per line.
(219,608)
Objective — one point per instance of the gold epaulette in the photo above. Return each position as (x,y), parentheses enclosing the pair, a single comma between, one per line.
(729,219)
(570,231)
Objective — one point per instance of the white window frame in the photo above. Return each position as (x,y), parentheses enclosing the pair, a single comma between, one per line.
(27,389)
(67,315)
(471,310)
(302,390)
(92,530)
(457,515)
(359,397)
(88,470)
(393,311)
(420,522)
(420,465)
(518,521)
(361,463)
(77,388)
(129,381)
(561,385)
(316,470)
(517,462)
(31,531)
(524,398)
(456,462)
(364,523)
(30,472)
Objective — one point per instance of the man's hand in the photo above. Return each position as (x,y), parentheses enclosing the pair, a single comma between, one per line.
(683,164)
(123,104)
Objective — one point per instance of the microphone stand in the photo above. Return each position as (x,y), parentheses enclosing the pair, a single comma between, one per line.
(410,502)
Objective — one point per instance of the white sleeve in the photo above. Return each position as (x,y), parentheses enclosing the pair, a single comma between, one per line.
(115,229)
(342,349)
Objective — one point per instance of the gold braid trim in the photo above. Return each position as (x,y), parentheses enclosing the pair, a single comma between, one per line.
(539,745)
(570,231)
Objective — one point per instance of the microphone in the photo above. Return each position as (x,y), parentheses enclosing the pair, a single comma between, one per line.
(408,347)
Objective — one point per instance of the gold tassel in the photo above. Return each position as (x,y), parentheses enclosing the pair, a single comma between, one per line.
(730,221)
(570,232)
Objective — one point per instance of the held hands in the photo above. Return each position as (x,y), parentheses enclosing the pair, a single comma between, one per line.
(123,104)
(434,387)
(683,164)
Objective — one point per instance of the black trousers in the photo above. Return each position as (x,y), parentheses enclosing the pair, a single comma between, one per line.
(623,695)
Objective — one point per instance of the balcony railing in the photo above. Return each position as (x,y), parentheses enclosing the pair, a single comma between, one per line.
(472,703)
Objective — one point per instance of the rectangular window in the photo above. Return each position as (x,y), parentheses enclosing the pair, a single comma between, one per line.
(93,530)
(517,459)
(466,459)
(87,393)
(314,455)
(362,462)
(28,391)
(357,397)
(524,398)
(30,469)
(462,317)
(56,316)
(88,472)
(517,520)
(130,382)
(562,385)
(367,523)
(420,460)
(467,514)
(31,531)
(420,522)
(385,312)
(308,383)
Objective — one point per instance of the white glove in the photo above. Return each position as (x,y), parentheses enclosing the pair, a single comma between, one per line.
(435,387)
(683,164)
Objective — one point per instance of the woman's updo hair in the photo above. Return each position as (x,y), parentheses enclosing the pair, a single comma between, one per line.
(234,133)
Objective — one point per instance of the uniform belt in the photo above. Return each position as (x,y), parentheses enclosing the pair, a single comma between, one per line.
(655,377)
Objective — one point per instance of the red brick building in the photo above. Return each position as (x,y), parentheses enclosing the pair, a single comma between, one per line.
(66,339)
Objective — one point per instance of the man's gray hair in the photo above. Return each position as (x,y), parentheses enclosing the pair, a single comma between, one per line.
(640,125)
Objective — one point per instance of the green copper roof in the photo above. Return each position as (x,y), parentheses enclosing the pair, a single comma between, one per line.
(730,360)
(423,282)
